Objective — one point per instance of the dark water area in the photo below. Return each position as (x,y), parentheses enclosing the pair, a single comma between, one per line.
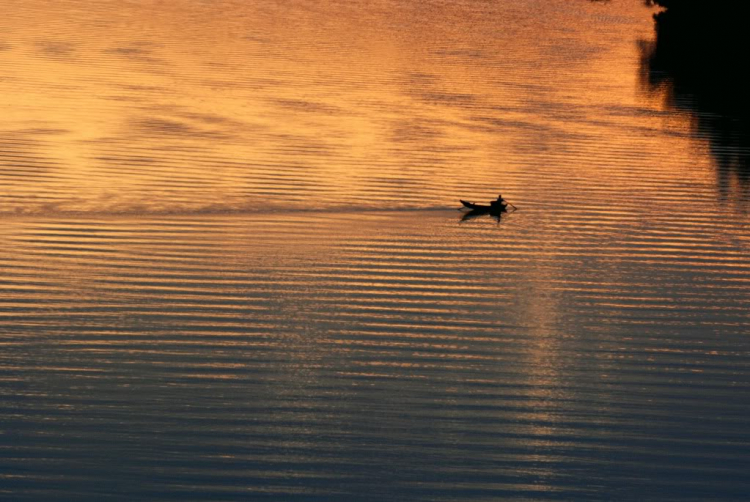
(698,60)
(234,266)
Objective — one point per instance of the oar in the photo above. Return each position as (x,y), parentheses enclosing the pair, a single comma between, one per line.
(511,205)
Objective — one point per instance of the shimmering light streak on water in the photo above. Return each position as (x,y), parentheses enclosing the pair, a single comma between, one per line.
(233,268)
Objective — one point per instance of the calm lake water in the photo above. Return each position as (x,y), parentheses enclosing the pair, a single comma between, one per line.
(232,265)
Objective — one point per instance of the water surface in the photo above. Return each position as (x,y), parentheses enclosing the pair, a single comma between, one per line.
(233,267)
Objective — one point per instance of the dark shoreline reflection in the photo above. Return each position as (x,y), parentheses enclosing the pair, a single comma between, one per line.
(697,62)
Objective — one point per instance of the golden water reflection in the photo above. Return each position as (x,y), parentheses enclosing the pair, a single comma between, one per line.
(136,109)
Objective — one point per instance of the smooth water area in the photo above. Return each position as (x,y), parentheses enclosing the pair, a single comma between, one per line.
(233,265)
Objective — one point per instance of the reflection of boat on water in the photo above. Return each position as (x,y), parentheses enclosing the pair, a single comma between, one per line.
(469,215)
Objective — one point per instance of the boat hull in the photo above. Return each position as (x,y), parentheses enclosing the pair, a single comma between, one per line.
(484,207)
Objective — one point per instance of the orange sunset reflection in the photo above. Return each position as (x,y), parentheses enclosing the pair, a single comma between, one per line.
(244,111)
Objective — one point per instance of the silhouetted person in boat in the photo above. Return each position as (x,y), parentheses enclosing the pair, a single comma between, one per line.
(499,204)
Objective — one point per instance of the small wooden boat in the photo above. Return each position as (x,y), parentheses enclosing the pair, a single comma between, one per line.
(485,207)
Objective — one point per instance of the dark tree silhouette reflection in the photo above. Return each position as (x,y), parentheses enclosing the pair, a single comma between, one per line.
(698,60)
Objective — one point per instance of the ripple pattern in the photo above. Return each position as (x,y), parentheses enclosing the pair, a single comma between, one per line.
(312,356)
(232,268)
